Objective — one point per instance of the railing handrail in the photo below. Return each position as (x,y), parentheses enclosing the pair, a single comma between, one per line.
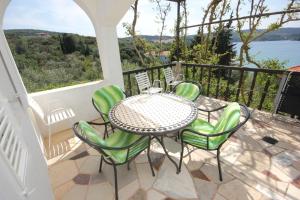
(147,69)
(270,71)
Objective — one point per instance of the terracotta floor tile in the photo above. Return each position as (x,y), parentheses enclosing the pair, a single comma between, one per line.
(251,168)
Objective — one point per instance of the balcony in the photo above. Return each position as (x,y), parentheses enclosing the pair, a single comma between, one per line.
(252,168)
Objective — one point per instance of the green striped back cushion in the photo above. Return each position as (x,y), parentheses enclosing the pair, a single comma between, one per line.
(228,120)
(89,133)
(188,90)
(106,97)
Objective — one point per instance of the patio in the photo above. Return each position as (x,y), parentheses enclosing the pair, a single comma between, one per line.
(252,168)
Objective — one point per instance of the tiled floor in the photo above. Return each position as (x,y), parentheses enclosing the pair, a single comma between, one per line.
(252,168)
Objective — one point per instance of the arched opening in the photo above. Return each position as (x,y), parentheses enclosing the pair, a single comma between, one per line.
(53,44)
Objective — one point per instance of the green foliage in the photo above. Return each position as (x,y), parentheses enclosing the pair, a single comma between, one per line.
(223,46)
(274,81)
(182,53)
(21,46)
(43,64)
(273,26)
(201,55)
(67,43)
(196,39)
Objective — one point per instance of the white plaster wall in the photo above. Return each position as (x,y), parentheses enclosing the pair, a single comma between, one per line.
(105,16)
(78,97)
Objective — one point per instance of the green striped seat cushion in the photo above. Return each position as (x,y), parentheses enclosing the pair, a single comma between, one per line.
(117,139)
(228,120)
(189,91)
(106,97)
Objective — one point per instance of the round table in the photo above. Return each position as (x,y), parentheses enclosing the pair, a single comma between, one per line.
(154,115)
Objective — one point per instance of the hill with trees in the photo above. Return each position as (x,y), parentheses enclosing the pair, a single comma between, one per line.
(49,60)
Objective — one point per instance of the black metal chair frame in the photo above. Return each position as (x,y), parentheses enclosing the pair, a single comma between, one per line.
(106,158)
(193,82)
(102,116)
(230,132)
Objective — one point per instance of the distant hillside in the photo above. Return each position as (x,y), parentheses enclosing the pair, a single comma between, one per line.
(281,34)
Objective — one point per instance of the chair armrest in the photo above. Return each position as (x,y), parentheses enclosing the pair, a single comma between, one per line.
(210,135)
(98,124)
(213,110)
(101,146)
(158,81)
(125,147)
(193,131)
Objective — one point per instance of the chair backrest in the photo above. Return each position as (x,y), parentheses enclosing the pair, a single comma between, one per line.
(105,98)
(189,90)
(229,119)
(169,75)
(143,81)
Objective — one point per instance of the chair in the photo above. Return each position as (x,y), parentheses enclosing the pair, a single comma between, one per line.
(56,113)
(206,136)
(188,89)
(171,80)
(145,86)
(118,149)
(104,99)
(288,95)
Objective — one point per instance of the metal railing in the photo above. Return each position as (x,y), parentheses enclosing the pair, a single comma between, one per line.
(254,87)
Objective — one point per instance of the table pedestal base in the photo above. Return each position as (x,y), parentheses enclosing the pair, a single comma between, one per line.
(160,139)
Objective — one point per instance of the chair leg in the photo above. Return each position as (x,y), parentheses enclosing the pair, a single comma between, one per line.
(181,155)
(219,165)
(105,131)
(116,182)
(177,137)
(101,161)
(128,166)
(149,158)
(112,128)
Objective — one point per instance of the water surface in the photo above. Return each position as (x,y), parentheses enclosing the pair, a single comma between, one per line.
(285,50)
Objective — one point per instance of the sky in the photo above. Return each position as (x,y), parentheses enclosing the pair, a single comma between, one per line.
(67,16)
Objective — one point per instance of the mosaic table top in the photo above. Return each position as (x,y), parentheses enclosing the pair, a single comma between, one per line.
(156,113)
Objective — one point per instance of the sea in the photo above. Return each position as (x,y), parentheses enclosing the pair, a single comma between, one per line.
(285,50)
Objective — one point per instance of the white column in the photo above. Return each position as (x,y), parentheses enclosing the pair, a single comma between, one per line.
(108,46)
(105,16)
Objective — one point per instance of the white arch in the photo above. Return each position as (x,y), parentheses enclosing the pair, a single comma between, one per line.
(105,15)
(9,62)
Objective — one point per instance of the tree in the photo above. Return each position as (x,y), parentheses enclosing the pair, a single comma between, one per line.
(21,46)
(223,45)
(131,31)
(180,50)
(210,42)
(197,39)
(162,12)
(67,43)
